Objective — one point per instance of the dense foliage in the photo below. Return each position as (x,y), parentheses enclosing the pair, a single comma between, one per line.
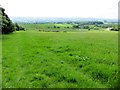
(18,28)
(7,26)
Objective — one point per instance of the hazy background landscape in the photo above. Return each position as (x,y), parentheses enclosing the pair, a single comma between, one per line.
(57,19)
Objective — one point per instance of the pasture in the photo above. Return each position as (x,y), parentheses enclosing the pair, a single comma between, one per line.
(33,59)
(51,27)
(0,61)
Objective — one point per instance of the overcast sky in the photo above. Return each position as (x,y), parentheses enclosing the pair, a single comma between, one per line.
(61,8)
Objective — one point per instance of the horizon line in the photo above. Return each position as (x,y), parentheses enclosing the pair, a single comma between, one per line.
(59,17)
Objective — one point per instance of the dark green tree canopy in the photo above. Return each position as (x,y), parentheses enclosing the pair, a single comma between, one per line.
(6,24)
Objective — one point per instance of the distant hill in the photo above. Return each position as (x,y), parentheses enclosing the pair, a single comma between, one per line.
(54,19)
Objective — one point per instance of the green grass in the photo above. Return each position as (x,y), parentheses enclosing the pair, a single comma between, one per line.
(63,25)
(0,61)
(33,59)
(36,26)
(49,27)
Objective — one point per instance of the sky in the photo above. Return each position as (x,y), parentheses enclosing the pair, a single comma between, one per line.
(61,8)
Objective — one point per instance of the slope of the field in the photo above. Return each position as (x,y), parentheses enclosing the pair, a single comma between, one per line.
(0,61)
(33,59)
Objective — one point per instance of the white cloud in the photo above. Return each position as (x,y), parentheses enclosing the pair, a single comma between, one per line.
(62,8)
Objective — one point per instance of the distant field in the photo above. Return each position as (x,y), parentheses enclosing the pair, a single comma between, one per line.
(64,25)
(33,59)
(49,27)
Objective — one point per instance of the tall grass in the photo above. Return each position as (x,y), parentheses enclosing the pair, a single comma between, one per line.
(33,59)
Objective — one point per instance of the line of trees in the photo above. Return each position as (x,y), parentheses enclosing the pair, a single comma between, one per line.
(6,25)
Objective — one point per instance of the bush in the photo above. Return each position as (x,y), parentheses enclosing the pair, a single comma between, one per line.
(114,28)
(75,26)
(18,28)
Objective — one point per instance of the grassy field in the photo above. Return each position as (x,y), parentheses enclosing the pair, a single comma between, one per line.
(33,59)
(0,61)
(49,27)
(64,25)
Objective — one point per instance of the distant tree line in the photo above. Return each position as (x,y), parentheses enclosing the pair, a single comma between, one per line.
(85,25)
(115,28)
(95,25)
(7,26)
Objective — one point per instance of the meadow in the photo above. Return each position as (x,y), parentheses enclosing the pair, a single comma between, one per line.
(0,61)
(51,27)
(33,59)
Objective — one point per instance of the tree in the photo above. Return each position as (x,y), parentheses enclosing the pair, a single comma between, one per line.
(114,28)
(17,27)
(6,24)
(55,27)
(75,26)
